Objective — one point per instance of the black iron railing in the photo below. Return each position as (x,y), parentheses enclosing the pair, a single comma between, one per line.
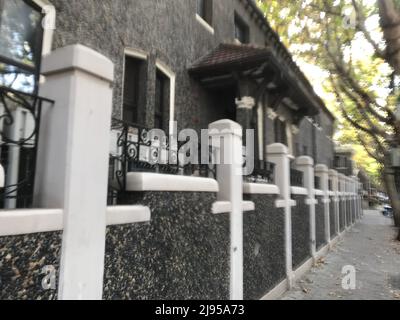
(264,172)
(317,182)
(296,178)
(19,130)
(137,149)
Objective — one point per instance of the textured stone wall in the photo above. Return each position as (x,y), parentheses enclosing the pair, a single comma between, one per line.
(22,259)
(183,253)
(166,30)
(264,247)
(332,218)
(320,223)
(342,215)
(349,212)
(300,231)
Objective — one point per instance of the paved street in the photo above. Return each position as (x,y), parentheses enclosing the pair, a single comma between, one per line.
(370,248)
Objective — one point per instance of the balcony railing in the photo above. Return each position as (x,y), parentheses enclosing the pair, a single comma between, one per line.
(264,172)
(296,178)
(19,130)
(135,149)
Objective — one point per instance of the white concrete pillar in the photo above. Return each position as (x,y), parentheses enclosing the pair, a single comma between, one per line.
(230,179)
(72,170)
(305,164)
(278,154)
(322,172)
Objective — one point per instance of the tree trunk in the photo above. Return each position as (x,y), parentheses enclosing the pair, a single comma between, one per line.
(390,22)
(393,194)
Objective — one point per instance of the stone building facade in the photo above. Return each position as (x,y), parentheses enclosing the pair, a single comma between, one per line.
(158,42)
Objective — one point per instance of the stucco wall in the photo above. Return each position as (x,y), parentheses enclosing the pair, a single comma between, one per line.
(182,254)
(320,223)
(342,216)
(300,231)
(22,259)
(264,248)
(332,218)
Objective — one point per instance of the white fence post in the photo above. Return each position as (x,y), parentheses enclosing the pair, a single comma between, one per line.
(333,175)
(322,172)
(278,154)
(230,179)
(72,170)
(305,164)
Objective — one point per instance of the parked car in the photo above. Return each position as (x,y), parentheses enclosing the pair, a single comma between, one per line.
(387,211)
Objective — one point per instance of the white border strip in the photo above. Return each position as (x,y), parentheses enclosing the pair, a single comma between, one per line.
(299,191)
(258,188)
(205,24)
(219,207)
(143,181)
(20,222)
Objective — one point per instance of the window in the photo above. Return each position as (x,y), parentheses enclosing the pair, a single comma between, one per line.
(132,88)
(242,32)
(161,100)
(280,132)
(205,10)
(21,36)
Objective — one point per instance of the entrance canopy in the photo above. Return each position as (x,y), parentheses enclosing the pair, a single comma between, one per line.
(269,75)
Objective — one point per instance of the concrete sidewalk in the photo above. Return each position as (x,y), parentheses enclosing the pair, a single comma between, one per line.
(371,249)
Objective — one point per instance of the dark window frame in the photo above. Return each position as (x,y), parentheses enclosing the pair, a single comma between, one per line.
(132,80)
(22,67)
(240,25)
(280,132)
(205,10)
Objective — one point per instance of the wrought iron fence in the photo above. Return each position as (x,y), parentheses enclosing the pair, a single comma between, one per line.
(264,172)
(317,182)
(19,130)
(296,178)
(135,148)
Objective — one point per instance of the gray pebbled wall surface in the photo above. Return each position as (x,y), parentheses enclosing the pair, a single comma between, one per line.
(183,253)
(320,223)
(300,231)
(342,214)
(264,247)
(332,218)
(22,259)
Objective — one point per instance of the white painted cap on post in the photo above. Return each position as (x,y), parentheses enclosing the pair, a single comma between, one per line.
(321,168)
(2,177)
(305,161)
(333,173)
(78,57)
(225,126)
(277,148)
